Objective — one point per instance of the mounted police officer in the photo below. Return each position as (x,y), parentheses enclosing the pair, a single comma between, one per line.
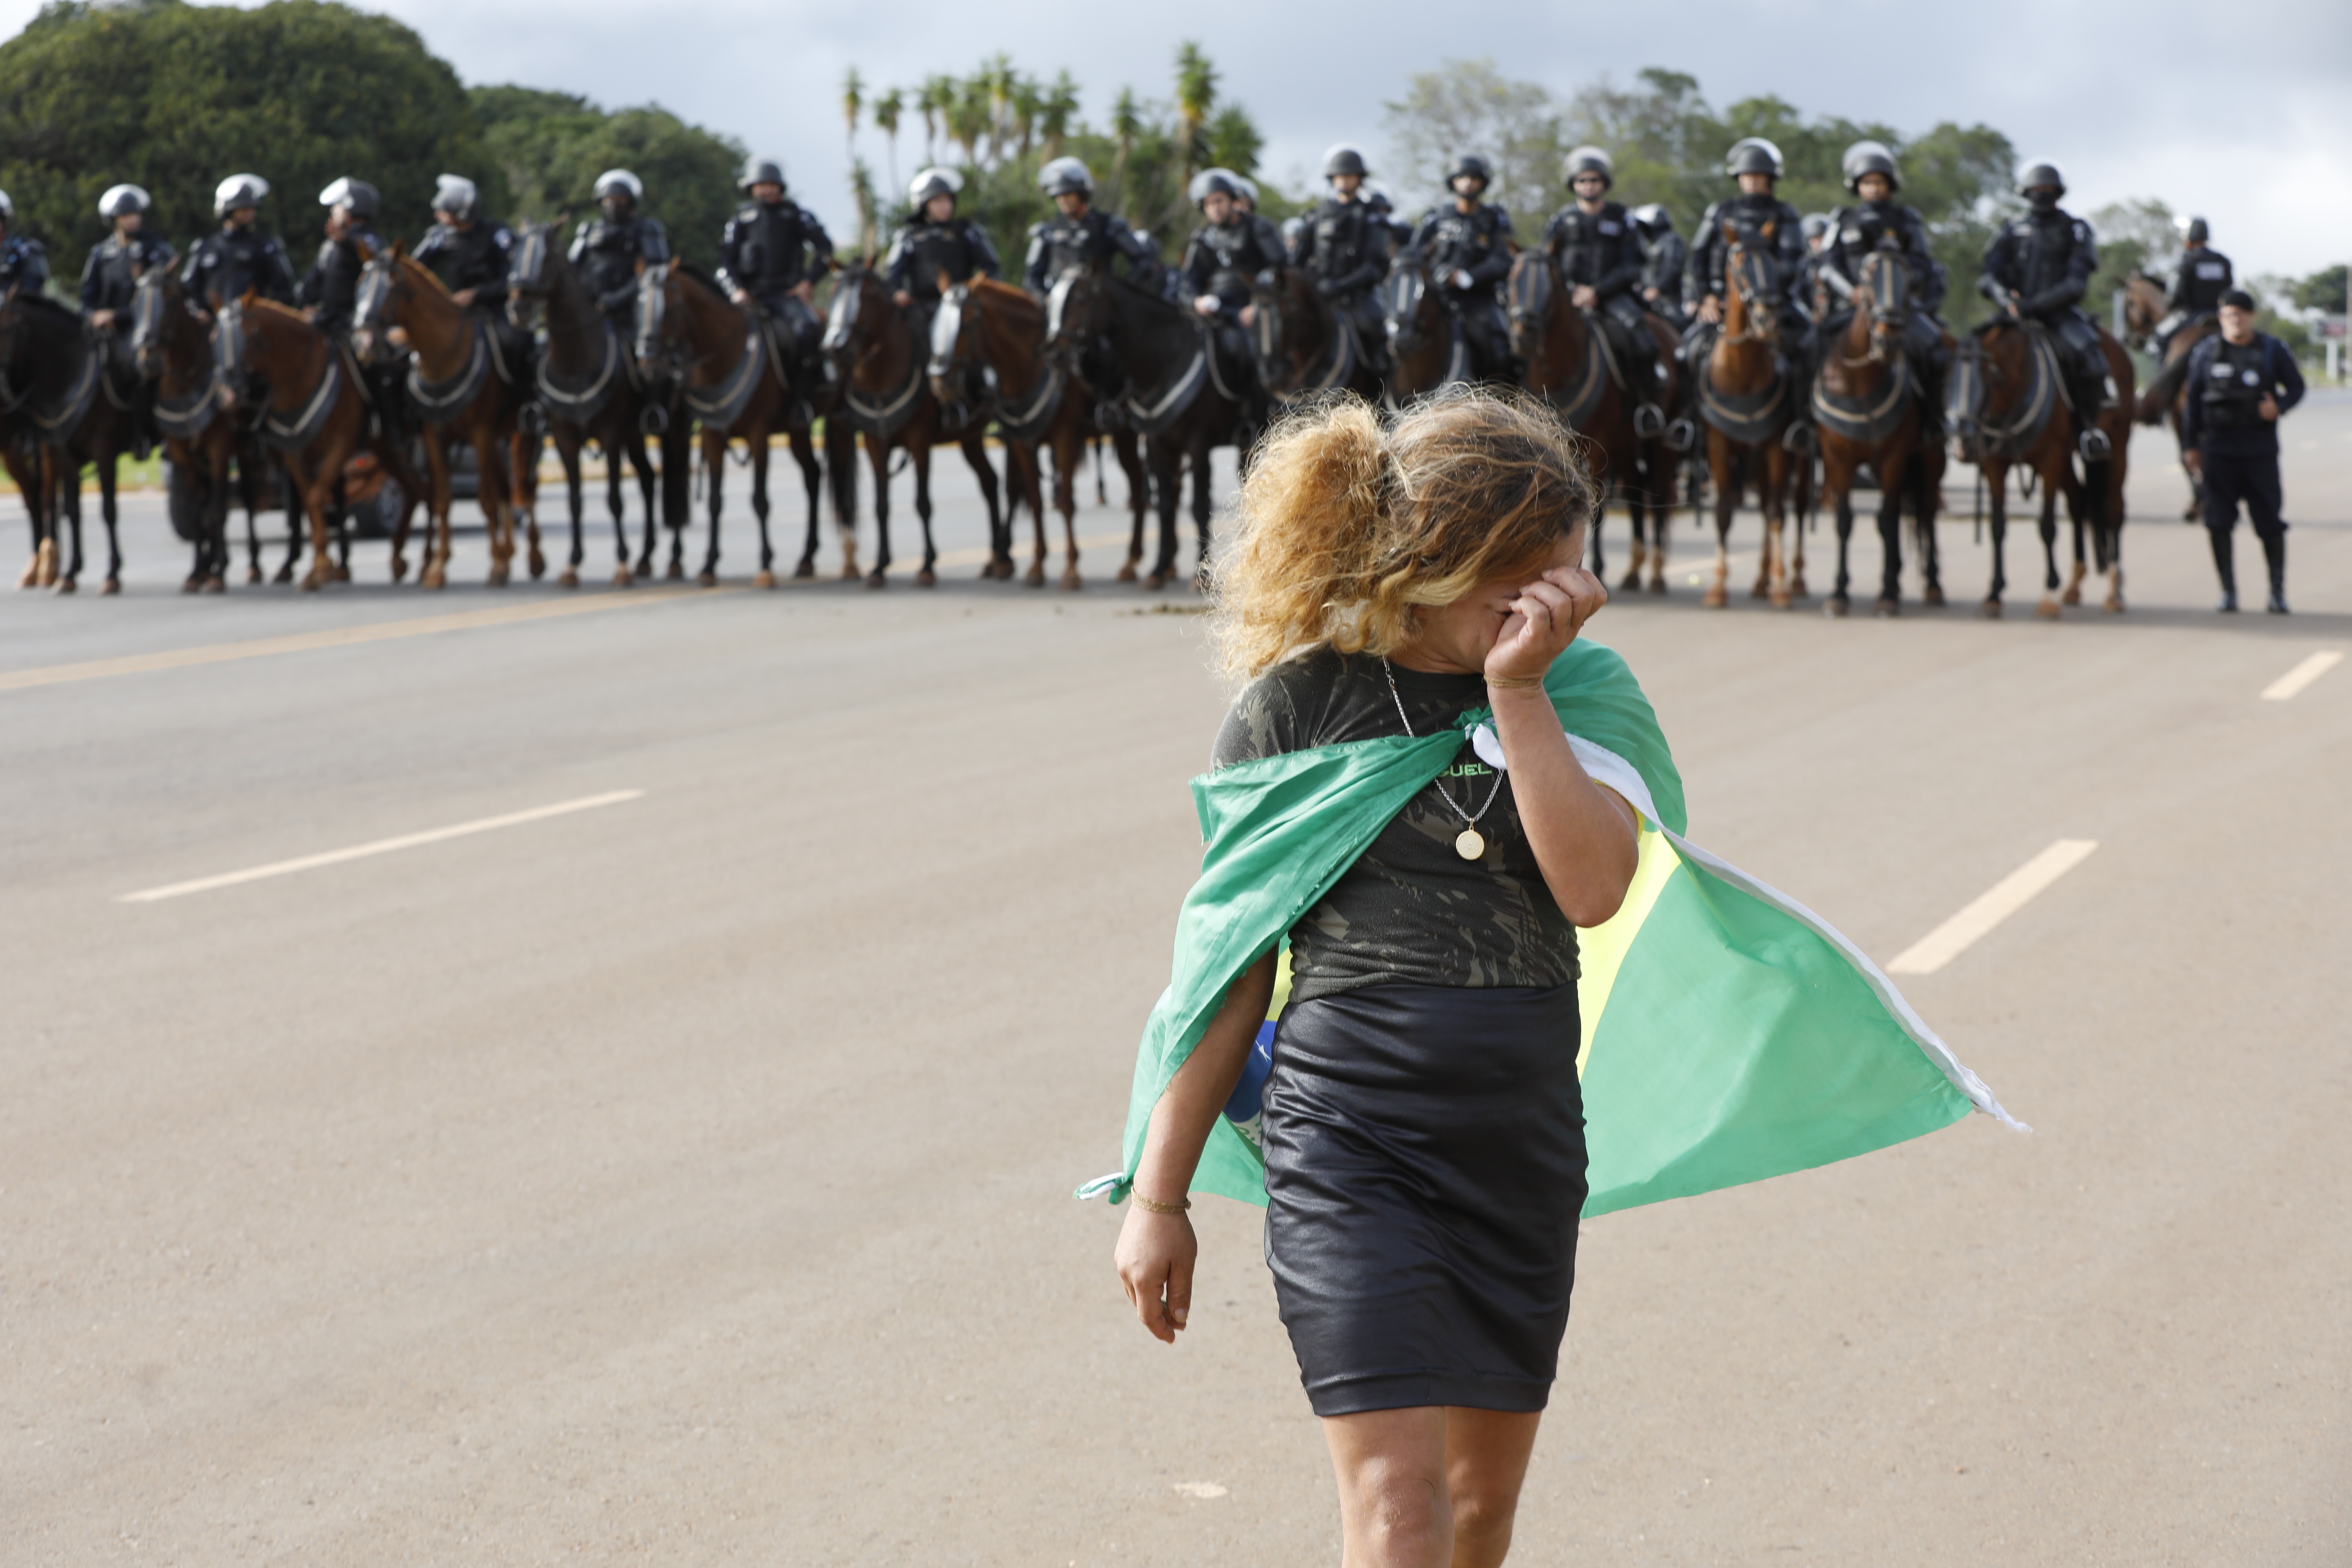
(1601,259)
(111,277)
(1815,228)
(770,255)
(2204,277)
(467,253)
(1223,254)
(1269,239)
(24,266)
(1400,233)
(1664,257)
(331,289)
(935,242)
(2037,268)
(1764,224)
(2239,382)
(1343,245)
(1076,236)
(608,247)
(236,257)
(1468,248)
(1877,222)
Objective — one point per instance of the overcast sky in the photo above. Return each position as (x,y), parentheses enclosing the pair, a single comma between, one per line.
(2247,120)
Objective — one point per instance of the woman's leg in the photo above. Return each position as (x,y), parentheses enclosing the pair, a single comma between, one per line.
(1430,1487)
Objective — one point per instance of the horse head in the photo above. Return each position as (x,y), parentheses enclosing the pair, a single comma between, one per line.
(1075,314)
(526,286)
(1752,278)
(958,375)
(1882,300)
(384,288)
(1529,294)
(229,349)
(157,306)
(1285,310)
(2144,305)
(1408,305)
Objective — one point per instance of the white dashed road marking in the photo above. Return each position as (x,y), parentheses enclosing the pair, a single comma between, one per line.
(2008,896)
(2302,675)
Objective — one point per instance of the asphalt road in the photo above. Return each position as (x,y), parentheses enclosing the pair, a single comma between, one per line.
(686,1178)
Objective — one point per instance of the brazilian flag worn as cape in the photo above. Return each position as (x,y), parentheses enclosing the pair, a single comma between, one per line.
(1730,1034)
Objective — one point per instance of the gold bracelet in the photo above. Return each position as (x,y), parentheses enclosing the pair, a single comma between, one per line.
(1501,685)
(1152,1205)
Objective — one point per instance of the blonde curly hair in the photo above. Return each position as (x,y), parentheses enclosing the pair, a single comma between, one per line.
(1348,521)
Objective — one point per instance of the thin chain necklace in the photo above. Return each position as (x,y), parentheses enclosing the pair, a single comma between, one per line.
(1471,844)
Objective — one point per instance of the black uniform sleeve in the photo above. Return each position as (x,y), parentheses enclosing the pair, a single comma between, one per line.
(1142,259)
(2000,266)
(819,244)
(93,285)
(1788,244)
(653,240)
(2286,381)
(1199,262)
(2183,281)
(1626,274)
(898,263)
(2192,411)
(984,259)
(1701,275)
(497,259)
(730,239)
(1032,266)
(1495,265)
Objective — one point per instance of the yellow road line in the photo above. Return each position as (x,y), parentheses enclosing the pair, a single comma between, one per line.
(380,847)
(2302,675)
(2005,898)
(340,636)
(979,552)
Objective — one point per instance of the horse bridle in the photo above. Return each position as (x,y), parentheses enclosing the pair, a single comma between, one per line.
(524,289)
(1883,278)
(1752,271)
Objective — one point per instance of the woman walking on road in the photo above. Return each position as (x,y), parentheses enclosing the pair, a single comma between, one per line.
(1422,1127)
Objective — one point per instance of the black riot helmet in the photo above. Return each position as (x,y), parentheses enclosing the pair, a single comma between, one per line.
(1064,177)
(357,194)
(1343,159)
(2198,233)
(1871,158)
(1473,165)
(121,199)
(1753,155)
(1652,219)
(1213,181)
(2042,185)
(1587,161)
(759,171)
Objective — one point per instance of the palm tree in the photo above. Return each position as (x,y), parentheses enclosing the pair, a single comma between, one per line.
(1125,125)
(852,103)
(1028,103)
(967,117)
(936,100)
(1196,94)
(886,110)
(1054,116)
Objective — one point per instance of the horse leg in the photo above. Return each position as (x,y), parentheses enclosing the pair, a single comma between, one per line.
(2074,574)
(1774,574)
(1166,479)
(1069,455)
(1204,469)
(436,514)
(312,494)
(1031,459)
(1841,509)
(678,494)
(1996,484)
(1725,498)
(632,446)
(714,475)
(1890,544)
(67,578)
(766,576)
(654,485)
(568,454)
(1131,462)
(813,480)
(877,457)
(926,576)
(522,495)
(1658,509)
(491,494)
(840,468)
(108,513)
(2049,608)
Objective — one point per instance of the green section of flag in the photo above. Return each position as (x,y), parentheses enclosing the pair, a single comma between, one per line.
(1730,1033)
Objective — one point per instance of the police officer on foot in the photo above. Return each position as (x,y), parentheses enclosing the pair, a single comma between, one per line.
(236,257)
(1601,259)
(2239,385)
(1468,247)
(934,243)
(24,266)
(466,252)
(1343,245)
(2038,268)
(608,247)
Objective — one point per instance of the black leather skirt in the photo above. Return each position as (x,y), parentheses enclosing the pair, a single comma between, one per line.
(1424,1172)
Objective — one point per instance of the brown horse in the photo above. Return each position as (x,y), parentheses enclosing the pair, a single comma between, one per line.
(70,402)
(1177,398)
(1746,403)
(313,411)
(466,385)
(1866,406)
(172,348)
(729,366)
(1305,348)
(2009,407)
(886,395)
(1571,364)
(2166,397)
(1426,348)
(988,352)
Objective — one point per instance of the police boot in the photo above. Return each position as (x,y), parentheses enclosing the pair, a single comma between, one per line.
(2274,557)
(2225,567)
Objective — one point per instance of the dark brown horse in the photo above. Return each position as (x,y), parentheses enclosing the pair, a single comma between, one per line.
(2008,406)
(173,349)
(729,367)
(1305,348)
(1426,348)
(1570,366)
(313,409)
(988,353)
(1746,404)
(465,384)
(2166,396)
(1177,396)
(1866,406)
(68,400)
(885,395)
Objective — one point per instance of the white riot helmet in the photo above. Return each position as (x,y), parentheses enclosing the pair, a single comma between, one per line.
(1065,177)
(933,182)
(356,194)
(456,195)
(238,191)
(620,183)
(121,199)
(7,209)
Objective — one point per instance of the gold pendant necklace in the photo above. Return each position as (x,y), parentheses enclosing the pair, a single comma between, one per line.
(1470,843)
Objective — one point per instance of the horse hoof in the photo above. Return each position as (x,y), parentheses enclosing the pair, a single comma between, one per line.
(705,578)
(622,576)
(1989,609)
(311,583)
(2047,610)
(1797,588)
(285,574)
(64,585)
(497,578)
(763,578)
(399,568)
(1632,583)
(1658,584)
(570,578)
(192,585)
(1126,574)
(806,568)
(2071,596)
(1716,598)
(1158,580)
(1836,606)
(849,573)
(1780,601)
(433,577)
(1035,576)
(2114,605)
(32,577)
(213,584)
(644,572)
(538,565)
(677,572)
(1886,609)
(927,578)
(1932,595)
(114,585)
(877,578)
(1071,581)
(1763,589)
(342,573)
(252,575)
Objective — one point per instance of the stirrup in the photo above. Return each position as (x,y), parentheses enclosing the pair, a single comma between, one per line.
(1798,439)
(1682,436)
(2094,445)
(1649,422)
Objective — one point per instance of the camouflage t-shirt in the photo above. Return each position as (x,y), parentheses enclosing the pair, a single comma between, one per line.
(1410,908)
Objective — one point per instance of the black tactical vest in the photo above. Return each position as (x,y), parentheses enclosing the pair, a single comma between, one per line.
(2234,382)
